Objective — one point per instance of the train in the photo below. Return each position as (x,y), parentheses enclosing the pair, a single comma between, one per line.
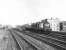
(39,27)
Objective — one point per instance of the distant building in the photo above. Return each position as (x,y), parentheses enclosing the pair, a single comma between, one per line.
(54,24)
(63,26)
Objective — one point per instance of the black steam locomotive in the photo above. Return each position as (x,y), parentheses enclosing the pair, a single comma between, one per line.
(39,27)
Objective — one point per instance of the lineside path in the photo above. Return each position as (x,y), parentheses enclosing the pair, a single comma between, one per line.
(3,39)
(6,40)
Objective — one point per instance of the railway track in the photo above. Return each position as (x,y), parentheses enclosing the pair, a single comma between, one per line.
(34,42)
(55,40)
(58,42)
(24,44)
(17,44)
(11,43)
(56,36)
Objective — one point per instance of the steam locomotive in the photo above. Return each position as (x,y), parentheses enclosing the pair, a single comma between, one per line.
(39,27)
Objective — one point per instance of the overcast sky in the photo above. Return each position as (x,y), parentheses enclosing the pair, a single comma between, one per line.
(15,12)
